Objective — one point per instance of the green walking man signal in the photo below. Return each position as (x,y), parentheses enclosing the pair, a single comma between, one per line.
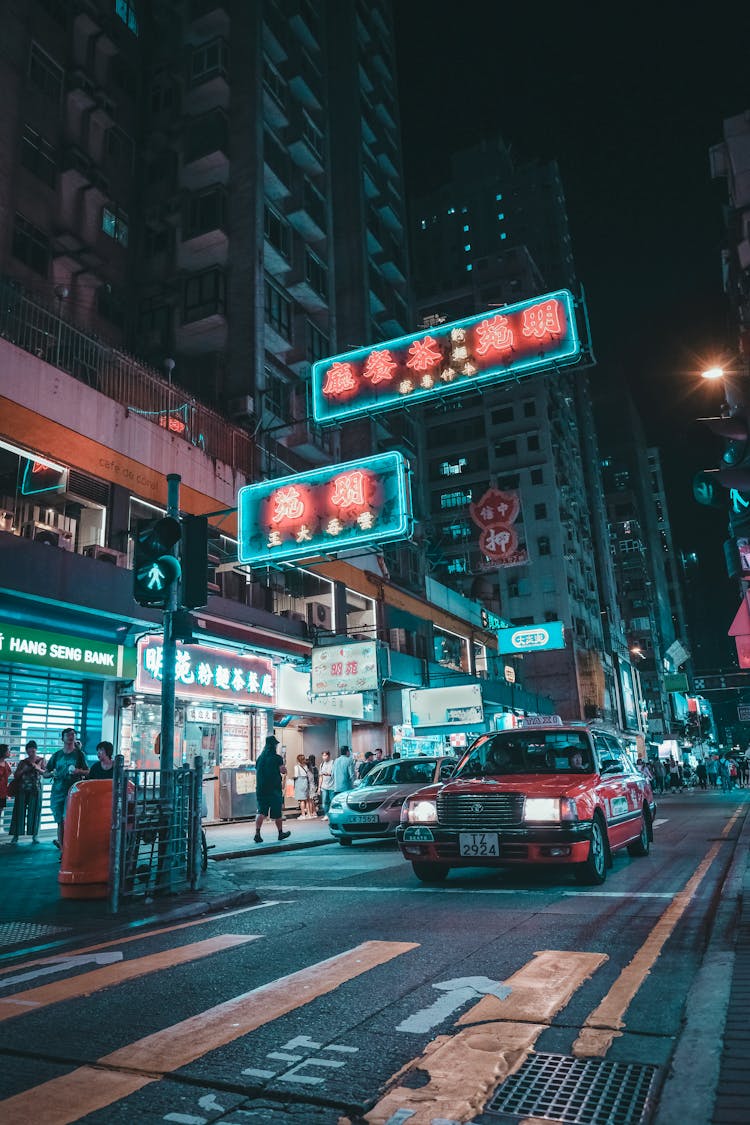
(155,567)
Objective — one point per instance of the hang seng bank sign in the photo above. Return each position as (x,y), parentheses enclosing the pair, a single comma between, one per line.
(67,653)
(202,672)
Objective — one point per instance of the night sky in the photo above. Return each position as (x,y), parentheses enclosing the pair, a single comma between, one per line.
(629,110)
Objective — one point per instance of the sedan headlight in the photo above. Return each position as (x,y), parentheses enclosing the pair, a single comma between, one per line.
(550,810)
(338,802)
(419,812)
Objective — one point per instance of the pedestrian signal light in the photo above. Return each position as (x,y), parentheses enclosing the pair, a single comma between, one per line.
(155,568)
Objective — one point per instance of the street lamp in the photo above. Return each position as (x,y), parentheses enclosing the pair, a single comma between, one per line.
(713,373)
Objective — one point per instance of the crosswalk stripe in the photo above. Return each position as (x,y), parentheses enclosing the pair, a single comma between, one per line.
(494,1038)
(606,1022)
(89,1088)
(85,983)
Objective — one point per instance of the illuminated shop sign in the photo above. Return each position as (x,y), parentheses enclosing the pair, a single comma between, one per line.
(495,514)
(344,669)
(448,706)
(202,672)
(490,347)
(48,649)
(329,510)
(532,638)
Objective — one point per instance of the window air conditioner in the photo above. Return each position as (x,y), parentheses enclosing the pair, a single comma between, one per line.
(106,554)
(6,521)
(50,536)
(319,614)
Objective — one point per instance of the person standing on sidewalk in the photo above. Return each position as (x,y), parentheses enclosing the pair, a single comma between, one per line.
(304,787)
(103,769)
(27,807)
(269,787)
(5,772)
(325,775)
(66,766)
(344,776)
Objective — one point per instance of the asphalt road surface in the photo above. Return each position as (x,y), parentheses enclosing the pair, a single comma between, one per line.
(352,993)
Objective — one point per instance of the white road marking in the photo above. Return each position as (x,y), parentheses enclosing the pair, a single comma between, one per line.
(662,820)
(61,965)
(448,890)
(457,992)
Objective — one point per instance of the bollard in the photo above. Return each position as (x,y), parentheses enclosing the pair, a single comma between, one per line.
(84,866)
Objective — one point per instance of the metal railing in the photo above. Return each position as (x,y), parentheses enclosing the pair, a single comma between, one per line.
(156,832)
(29,324)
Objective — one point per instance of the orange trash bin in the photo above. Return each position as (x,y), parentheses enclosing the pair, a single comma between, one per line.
(84,866)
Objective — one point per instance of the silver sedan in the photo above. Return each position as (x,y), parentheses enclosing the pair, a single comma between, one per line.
(372,809)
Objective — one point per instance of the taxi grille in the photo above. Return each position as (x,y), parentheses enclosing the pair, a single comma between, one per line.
(487,810)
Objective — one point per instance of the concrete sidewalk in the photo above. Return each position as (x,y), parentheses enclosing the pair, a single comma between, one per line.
(235,840)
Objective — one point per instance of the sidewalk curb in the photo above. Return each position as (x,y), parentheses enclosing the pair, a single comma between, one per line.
(269,849)
(690,1088)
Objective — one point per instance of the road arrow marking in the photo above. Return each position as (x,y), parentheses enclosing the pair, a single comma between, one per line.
(62,965)
(457,993)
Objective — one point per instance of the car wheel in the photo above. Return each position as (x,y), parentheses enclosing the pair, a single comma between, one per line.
(346,841)
(642,845)
(430,872)
(593,870)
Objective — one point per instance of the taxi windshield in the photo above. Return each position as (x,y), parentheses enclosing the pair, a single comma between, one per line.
(518,751)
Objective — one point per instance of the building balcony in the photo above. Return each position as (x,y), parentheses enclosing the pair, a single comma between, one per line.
(306,154)
(206,151)
(209,18)
(277,169)
(307,214)
(308,440)
(211,92)
(203,249)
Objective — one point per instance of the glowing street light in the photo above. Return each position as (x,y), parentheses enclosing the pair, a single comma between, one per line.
(713,373)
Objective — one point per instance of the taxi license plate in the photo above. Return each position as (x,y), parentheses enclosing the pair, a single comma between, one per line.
(364,818)
(478,844)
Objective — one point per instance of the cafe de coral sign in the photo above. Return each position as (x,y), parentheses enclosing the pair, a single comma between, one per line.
(489,347)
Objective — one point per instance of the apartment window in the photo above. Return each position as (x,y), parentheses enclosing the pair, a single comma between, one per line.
(455,499)
(511,481)
(551,615)
(30,245)
(209,61)
(532,443)
(205,212)
(459,532)
(540,511)
(278,309)
(318,345)
(513,588)
(38,155)
(115,224)
(125,9)
(548,584)
(529,408)
(537,476)
(206,134)
(162,96)
(505,414)
(205,295)
(543,545)
(109,304)
(161,168)
(273,83)
(458,566)
(153,322)
(314,204)
(156,240)
(313,137)
(277,396)
(506,448)
(118,147)
(452,468)
(277,232)
(316,274)
(45,74)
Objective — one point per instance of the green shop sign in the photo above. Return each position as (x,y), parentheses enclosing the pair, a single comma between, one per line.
(65,652)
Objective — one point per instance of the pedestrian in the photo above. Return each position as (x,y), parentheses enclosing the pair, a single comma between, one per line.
(378,754)
(744,768)
(712,769)
(27,791)
(304,787)
(103,769)
(733,773)
(724,774)
(66,766)
(344,777)
(326,783)
(269,788)
(702,773)
(5,771)
(658,769)
(366,764)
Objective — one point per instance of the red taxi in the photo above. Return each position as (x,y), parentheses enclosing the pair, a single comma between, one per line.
(566,795)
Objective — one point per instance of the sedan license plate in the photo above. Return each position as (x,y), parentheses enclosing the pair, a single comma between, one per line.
(364,818)
(478,844)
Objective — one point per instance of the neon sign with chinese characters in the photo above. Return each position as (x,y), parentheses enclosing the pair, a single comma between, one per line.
(202,672)
(516,340)
(334,509)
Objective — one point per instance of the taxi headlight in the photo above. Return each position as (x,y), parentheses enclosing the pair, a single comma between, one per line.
(419,812)
(550,810)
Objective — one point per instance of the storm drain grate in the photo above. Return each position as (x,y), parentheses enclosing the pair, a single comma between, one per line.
(576,1091)
(13,933)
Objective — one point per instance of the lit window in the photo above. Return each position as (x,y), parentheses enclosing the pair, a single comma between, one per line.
(498,197)
(467,247)
(125,9)
(423,224)
(466,227)
(115,224)
(503,235)
(501,215)
(469,268)
(451,210)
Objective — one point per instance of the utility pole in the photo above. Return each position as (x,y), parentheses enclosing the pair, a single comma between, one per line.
(169,657)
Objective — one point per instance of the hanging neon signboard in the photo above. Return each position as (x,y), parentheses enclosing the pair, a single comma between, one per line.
(206,673)
(532,638)
(330,510)
(487,348)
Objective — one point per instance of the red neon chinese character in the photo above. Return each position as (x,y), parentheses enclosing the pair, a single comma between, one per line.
(349,490)
(340,378)
(424,354)
(494,335)
(337,668)
(379,367)
(542,320)
(351,668)
(287,504)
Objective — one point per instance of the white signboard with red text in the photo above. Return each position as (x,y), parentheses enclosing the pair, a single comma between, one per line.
(345,669)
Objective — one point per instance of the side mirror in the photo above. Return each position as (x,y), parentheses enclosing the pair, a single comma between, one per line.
(609,768)
(446,772)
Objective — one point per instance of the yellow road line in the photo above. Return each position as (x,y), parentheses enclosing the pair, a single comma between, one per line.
(89,1088)
(85,983)
(605,1023)
(466,1067)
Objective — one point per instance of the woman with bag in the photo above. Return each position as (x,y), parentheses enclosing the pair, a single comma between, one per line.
(27,791)
(304,787)
(5,772)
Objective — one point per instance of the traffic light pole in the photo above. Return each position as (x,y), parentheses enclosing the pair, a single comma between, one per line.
(169,658)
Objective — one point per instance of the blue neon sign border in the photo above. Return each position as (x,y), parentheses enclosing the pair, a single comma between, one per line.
(381,463)
(391,400)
